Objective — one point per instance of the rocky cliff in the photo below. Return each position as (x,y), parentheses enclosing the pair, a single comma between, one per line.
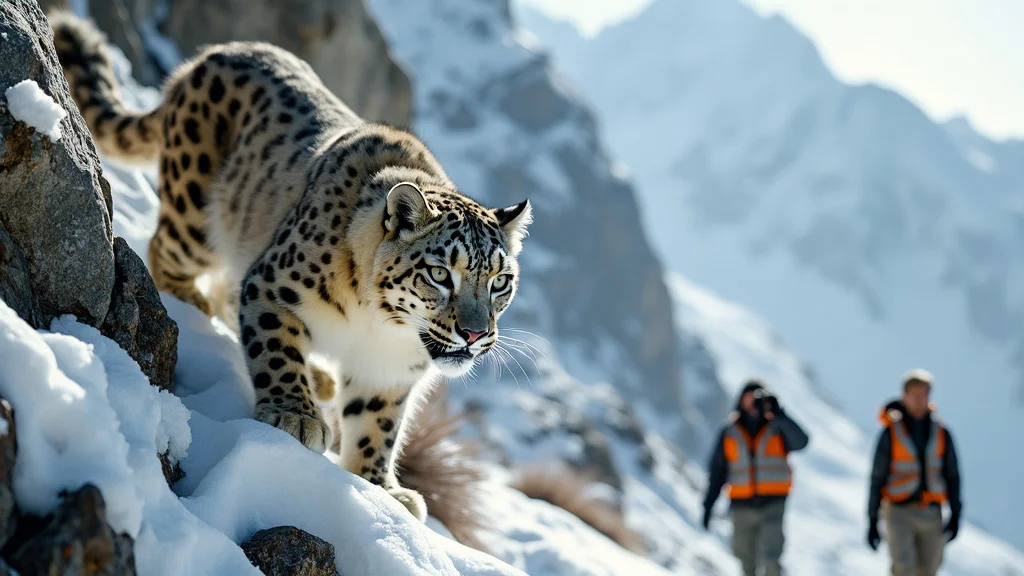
(338,38)
(58,256)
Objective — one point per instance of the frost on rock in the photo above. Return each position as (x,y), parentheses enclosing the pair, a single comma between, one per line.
(27,102)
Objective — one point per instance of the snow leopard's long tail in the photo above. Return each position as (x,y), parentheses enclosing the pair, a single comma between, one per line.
(118,132)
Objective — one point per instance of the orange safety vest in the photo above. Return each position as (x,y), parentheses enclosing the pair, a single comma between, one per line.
(905,467)
(757,466)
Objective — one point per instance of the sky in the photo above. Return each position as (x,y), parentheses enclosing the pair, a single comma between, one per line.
(950,57)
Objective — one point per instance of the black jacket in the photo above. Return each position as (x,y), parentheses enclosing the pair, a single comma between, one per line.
(793,438)
(920,432)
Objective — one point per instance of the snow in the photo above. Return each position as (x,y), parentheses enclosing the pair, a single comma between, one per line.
(27,102)
(548,541)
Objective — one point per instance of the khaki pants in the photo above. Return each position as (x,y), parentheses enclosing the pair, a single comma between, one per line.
(757,537)
(915,539)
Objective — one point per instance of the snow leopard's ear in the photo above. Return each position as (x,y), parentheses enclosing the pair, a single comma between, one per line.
(514,221)
(407,210)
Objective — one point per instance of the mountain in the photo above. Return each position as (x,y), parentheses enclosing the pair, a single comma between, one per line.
(870,237)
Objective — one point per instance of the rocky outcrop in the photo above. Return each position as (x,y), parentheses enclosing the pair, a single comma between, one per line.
(54,202)
(8,452)
(58,256)
(15,287)
(288,551)
(57,253)
(75,539)
(138,321)
(338,38)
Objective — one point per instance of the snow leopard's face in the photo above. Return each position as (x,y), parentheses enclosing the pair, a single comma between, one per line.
(449,270)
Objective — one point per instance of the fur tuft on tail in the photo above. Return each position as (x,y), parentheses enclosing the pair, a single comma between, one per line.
(445,471)
(118,132)
(566,488)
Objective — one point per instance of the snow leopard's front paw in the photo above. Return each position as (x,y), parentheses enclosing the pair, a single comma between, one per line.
(412,500)
(310,429)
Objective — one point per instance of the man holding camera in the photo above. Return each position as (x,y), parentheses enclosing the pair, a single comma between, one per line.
(751,457)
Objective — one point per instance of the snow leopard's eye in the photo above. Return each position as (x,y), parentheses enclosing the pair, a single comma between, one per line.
(500,284)
(440,276)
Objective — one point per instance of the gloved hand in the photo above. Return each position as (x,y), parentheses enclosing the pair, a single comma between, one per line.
(766,404)
(707,518)
(874,538)
(952,526)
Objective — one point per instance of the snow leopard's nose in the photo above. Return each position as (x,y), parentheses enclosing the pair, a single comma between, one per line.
(469,336)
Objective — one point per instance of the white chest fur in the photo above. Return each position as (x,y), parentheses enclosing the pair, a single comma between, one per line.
(372,353)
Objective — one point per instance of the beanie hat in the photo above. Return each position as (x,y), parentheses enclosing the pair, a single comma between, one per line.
(918,375)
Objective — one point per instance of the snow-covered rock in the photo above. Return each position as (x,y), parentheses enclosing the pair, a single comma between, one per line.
(871,238)
(27,102)
(53,201)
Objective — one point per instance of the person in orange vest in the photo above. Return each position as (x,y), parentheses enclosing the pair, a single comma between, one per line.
(751,457)
(915,472)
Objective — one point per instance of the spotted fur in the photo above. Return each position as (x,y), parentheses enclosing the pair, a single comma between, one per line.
(337,238)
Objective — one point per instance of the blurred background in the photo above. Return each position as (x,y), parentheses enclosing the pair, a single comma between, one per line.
(820,193)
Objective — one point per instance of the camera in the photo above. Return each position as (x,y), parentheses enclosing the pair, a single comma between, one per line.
(764,402)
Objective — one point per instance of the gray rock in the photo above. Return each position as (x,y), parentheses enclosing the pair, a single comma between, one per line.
(75,539)
(15,285)
(8,451)
(138,321)
(54,201)
(172,472)
(288,551)
(338,38)
(530,99)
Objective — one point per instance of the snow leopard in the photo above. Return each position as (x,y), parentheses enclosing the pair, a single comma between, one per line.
(358,270)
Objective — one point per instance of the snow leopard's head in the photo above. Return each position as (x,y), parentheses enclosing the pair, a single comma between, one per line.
(447,267)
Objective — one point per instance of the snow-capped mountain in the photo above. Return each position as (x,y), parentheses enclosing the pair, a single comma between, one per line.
(870,237)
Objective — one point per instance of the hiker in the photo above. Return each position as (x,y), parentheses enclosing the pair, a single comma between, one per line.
(914,474)
(751,456)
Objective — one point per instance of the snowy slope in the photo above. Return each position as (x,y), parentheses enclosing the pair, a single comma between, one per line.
(93,417)
(872,239)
